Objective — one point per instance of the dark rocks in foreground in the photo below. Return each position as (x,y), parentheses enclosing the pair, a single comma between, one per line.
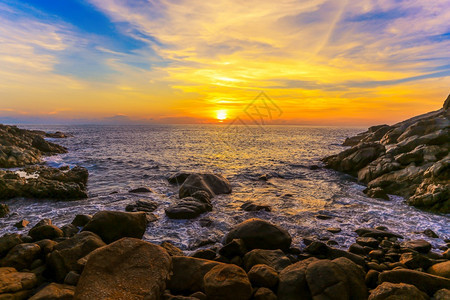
(410,159)
(107,260)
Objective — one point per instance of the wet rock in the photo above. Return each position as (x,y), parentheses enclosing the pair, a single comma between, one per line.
(7,242)
(142,205)
(430,233)
(21,256)
(367,241)
(4,210)
(188,208)
(324,217)
(55,291)
(114,225)
(376,233)
(205,254)
(16,285)
(21,224)
(260,234)
(250,206)
(227,282)
(388,290)
(141,190)
(421,246)
(357,249)
(213,184)
(377,193)
(441,269)
(45,232)
(178,178)
(334,229)
(234,248)
(126,269)
(188,273)
(81,220)
(425,282)
(273,258)
(65,255)
(263,276)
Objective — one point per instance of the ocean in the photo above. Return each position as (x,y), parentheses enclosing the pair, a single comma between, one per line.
(120,158)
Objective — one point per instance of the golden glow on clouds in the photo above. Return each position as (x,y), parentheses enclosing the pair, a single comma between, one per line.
(213,58)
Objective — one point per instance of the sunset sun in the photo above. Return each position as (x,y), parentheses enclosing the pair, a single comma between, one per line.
(221,115)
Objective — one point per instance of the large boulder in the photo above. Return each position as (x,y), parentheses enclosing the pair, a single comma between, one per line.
(322,279)
(425,282)
(273,258)
(45,232)
(16,285)
(260,234)
(8,241)
(65,255)
(114,225)
(21,256)
(188,273)
(227,282)
(263,276)
(441,269)
(213,184)
(126,269)
(388,290)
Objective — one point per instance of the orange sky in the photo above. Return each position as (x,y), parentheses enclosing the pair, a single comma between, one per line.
(321,62)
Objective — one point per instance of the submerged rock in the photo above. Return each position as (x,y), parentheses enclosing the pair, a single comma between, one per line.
(190,207)
(414,164)
(213,184)
(250,206)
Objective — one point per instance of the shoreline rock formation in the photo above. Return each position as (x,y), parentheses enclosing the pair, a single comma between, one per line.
(410,159)
(112,261)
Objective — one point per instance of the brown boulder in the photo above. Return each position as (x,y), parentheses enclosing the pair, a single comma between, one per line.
(213,184)
(12,282)
(441,269)
(21,256)
(55,291)
(425,282)
(388,290)
(227,282)
(126,269)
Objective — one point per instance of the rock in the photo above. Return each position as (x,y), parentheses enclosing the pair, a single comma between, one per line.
(250,206)
(142,205)
(443,294)
(65,255)
(46,246)
(188,208)
(21,224)
(227,282)
(334,229)
(141,190)
(388,290)
(292,281)
(415,260)
(264,294)
(430,233)
(273,258)
(69,230)
(4,210)
(178,178)
(377,193)
(114,225)
(213,184)
(55,291)
(421,246)
(12,282)
(425,282)
(188,273)
(72,278)
(260,234)
(372,278)
(441,269)
(367,241)
(320,249)
(263,276)
(57,135)
(337,279)
(7,242)
(21,256)
(357,249)
(205,254)
(81,220)
(323,217)
(171,249)
(126,269)
(45,232)
(376,233)
(234,248)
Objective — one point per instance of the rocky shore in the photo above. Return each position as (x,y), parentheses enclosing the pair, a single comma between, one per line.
(103,257)
(26,148)
(410,159)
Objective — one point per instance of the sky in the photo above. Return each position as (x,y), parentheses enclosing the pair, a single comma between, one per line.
(319,62)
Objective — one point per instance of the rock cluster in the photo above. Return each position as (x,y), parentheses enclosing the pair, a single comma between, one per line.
(108,260)
(195,193)
(20,147)
(410,159)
